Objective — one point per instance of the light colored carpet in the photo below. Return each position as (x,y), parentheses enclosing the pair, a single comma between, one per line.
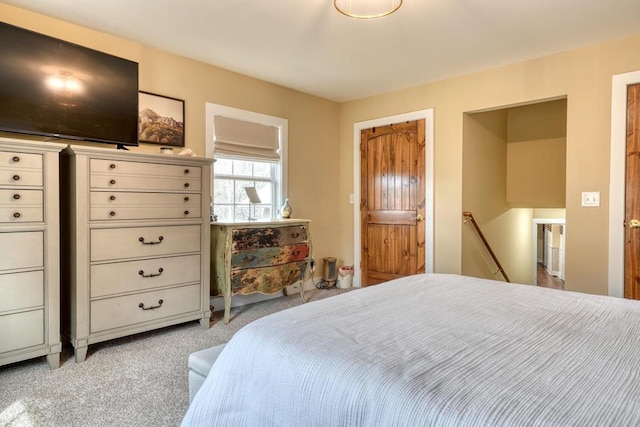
(139,380)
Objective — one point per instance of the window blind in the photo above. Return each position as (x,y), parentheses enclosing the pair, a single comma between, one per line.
(248,140)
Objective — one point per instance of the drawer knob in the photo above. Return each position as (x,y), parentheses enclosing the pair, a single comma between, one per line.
(153,307)
(160,270)
(186,185)
(186,199)
(16,159)
(112,182)
(186,171)
(16,215)
(16,196)
(16,177)
(186,212)
(112,166)
(160,239)
(112,197)
(112,213)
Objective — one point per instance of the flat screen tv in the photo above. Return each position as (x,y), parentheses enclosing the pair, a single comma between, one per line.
(58,89)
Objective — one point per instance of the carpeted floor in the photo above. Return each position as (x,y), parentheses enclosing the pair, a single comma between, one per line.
(139,380)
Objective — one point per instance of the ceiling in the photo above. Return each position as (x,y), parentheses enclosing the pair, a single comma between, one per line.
(308,46)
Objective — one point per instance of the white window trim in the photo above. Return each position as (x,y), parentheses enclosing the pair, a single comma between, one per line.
(212,110)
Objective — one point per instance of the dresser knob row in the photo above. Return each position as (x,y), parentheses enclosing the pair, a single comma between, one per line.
(153,307)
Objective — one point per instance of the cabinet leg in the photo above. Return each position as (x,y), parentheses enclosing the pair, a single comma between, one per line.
(205,322)
(53,360)
(81,354)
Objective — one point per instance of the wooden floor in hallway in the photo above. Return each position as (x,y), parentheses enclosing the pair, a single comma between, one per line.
(546,280)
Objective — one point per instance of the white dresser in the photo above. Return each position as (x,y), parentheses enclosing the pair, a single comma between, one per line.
(29,248)
(136,256)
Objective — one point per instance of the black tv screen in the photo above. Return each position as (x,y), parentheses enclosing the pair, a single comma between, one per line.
(59,89)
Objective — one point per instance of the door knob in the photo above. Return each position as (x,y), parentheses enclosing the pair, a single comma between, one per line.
(421,218)
(634,223)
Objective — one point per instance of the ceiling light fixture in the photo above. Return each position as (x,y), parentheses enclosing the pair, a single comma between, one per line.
(367,9)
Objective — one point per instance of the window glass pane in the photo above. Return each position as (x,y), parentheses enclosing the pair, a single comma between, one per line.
(241,212)
(223,166)
(240,194)
(242,168)
(264,190)
(262,170)
(223,191)
(263,212)
(224,212)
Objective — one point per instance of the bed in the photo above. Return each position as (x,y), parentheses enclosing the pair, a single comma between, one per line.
(432,350)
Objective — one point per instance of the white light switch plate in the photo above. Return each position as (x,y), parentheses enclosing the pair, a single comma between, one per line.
(590,198)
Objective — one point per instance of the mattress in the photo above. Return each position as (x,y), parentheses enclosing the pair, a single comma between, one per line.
(432,350)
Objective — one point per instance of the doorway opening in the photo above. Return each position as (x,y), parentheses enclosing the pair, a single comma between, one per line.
(549,252)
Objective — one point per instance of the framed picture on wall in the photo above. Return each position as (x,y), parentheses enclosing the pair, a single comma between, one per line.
(161,120)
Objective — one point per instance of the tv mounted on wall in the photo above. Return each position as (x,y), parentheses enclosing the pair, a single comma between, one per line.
(58,89)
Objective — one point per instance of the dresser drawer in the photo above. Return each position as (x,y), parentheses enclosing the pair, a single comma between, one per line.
(21,290)
(123,206)
(120,167)
(262,257)
(31,327)
(128,276)
(18,161)
(22,178)
(244,238)
(21,250)
(141,242)
(266,280)
(119,175)
(127,310)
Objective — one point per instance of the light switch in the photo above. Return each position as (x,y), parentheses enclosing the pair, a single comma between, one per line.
(590,198)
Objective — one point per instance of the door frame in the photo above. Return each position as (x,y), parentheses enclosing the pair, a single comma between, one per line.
(427,115)
(617,179)
(534,233)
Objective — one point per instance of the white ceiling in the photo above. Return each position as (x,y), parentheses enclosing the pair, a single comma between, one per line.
(308,46)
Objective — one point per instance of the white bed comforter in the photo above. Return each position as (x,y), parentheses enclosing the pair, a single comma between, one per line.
(432,350)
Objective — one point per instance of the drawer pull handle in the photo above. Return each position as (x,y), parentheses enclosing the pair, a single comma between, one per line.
(112,182)
(160,239)
(186,199)
(153,307)
(160,270)
(186,171)
(295,235)
(16,215)
(112,213)
(112,198)
(16,159)
(16,177)
(16,197)
(186,212)
(112,166)
(186,185)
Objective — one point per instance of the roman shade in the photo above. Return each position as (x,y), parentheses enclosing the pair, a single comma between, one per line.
(239,138)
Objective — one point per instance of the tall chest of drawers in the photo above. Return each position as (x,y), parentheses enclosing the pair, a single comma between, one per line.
(29,248)
(137,243)
(263,257)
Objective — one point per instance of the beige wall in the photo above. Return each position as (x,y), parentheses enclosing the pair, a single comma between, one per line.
(582,75)
(313,122)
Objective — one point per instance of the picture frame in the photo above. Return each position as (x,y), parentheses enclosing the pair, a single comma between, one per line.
(160,119)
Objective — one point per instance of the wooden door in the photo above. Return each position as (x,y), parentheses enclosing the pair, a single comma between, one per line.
(392,206)
(632,196)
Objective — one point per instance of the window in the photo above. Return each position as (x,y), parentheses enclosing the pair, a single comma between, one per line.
(230,199)
(250,151)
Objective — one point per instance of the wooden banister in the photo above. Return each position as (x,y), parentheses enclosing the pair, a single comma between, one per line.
(469,216)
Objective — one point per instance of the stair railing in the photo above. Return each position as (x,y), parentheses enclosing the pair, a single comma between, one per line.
(469,216)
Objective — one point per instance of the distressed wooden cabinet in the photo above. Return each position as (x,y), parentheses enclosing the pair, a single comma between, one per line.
(260,257)
(29,260)
(136,251)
